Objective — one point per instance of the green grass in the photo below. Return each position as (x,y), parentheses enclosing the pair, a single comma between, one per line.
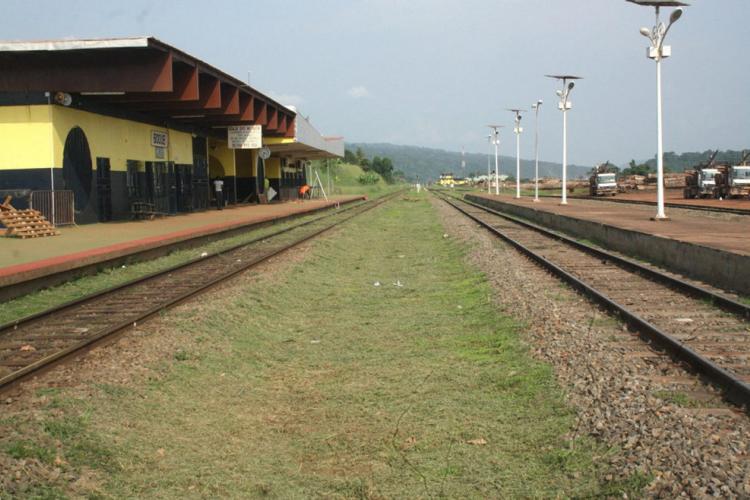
(44,299)
(21,449)
(346,181)
(316,383)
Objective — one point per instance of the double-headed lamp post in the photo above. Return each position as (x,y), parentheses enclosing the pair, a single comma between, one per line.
(565,105)
(489,173)
(658,51)
(536,107)
(496,141)
(517,129)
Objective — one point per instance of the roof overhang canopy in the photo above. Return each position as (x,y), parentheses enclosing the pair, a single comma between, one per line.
(141,75)
(306,142)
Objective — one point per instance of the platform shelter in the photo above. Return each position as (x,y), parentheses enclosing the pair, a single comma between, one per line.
(97,130)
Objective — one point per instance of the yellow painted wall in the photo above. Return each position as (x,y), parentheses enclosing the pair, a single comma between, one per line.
(25,137)
(218,149)
(244,162)
(117,139)
(273,168)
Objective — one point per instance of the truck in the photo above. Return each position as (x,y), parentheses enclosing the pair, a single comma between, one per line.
(734,181)
(603,180)
(700,182)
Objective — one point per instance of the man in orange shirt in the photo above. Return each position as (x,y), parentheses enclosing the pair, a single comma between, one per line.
(303,191)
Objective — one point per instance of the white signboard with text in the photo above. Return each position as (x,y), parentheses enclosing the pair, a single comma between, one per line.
(159,139)
(245,137)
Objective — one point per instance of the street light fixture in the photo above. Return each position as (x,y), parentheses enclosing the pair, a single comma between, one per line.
(489,174)
(517,129)
(536,106)
(496,141)
(565,105)
(658,51)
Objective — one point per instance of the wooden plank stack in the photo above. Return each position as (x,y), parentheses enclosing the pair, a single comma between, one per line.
(26,223)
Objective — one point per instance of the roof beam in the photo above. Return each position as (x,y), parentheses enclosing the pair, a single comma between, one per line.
(116,70)
(185,88)
(209,97)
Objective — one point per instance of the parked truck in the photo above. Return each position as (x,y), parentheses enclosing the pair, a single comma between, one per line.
(734,181)
(700,182)
(603,180)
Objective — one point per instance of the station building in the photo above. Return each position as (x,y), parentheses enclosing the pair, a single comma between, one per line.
(97,130)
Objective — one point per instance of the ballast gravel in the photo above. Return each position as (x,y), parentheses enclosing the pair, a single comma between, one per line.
(615,381)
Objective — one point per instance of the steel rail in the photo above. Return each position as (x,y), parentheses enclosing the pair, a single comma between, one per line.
(685,206)
(21,374)
(734,389)
(14,290)
(717,299)
(13,324)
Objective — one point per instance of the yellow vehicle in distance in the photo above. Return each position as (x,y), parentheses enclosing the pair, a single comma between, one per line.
(448,180)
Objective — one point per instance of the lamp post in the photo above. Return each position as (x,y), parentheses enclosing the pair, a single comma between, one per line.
(565,105)
(496,142)
(658,51)
(517,129)
(536,106)
(489,153)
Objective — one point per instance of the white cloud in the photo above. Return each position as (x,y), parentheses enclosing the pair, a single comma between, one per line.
(358,92)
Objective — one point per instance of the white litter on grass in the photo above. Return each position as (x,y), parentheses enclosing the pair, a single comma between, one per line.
(315,341)
(460,307)
(204,254)
(398,283)
(377,283)
(445,235)
(683,320)
(124,266)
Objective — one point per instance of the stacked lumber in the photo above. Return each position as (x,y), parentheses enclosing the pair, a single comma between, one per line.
(26,223)
(674,180)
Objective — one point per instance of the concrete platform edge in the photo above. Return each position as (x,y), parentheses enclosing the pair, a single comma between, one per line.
(17,285)
(719,268)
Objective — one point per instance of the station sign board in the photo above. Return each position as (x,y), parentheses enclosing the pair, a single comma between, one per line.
(159,139)
(245,137)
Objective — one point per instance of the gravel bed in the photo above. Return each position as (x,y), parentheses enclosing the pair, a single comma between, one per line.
(687,451)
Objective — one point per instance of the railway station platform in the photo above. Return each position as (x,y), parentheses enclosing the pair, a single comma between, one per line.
(713,249)
(94,245)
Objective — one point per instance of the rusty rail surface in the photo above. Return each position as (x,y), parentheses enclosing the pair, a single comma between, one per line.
(706,330)
(39,341)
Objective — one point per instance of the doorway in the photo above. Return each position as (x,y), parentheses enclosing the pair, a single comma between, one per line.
(77,171)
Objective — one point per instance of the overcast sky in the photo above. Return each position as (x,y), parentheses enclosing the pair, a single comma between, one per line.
(435,72)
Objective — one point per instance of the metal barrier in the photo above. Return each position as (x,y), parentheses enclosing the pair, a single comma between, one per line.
(59,213)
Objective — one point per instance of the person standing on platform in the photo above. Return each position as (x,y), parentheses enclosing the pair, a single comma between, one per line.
(219,192)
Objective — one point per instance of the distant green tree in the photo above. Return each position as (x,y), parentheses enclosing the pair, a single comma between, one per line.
(636,169)
(350,157)
(384,167)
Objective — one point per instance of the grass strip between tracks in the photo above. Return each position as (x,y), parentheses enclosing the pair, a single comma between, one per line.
(74,289)
(316,382)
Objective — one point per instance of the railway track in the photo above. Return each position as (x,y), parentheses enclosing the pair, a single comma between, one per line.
(37,342)
(687,206)
(706,330)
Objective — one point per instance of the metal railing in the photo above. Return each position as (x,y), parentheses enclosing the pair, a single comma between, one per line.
(57,206)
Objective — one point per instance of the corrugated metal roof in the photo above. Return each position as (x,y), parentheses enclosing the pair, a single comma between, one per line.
(69,44)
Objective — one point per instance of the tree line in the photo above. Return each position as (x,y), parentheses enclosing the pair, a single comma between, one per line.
(382,166)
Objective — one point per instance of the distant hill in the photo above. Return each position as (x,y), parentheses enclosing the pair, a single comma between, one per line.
(679,162)
(429,163)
